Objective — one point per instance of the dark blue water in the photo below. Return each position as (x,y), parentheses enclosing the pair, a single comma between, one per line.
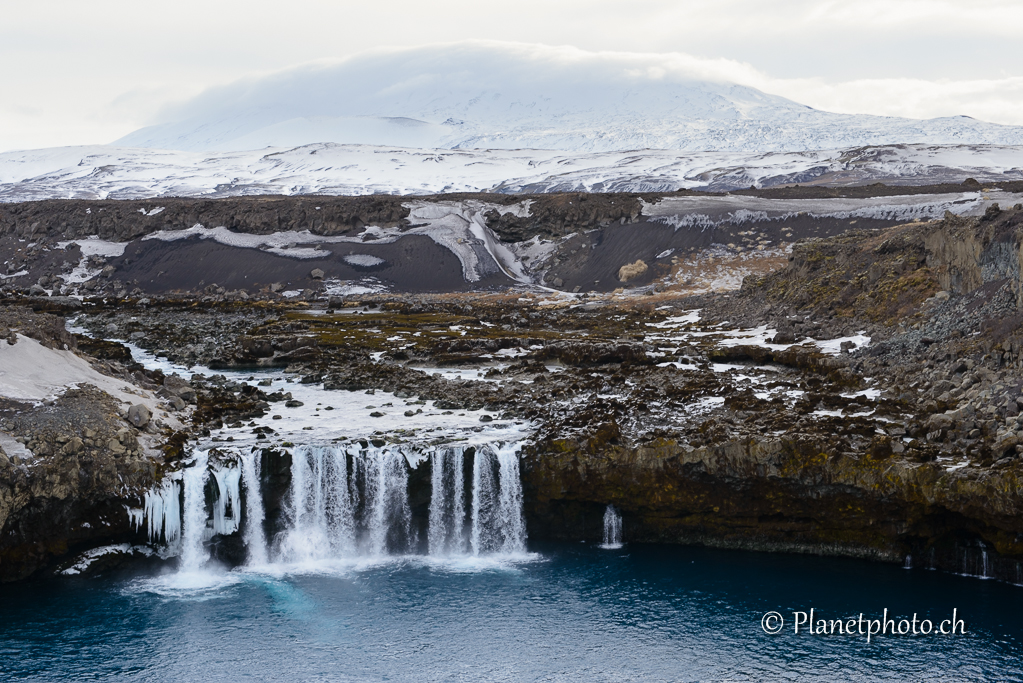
(575,613)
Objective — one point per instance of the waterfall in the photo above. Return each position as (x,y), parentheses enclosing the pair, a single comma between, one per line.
(446,534)
(345,501)
(193,533)
(255,537)
(984,562)
(320,510)
(908,564)
(482,501)
(513,526)
(387,497)
(497,524)
(612,528)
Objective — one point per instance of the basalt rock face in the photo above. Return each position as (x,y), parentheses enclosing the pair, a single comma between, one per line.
(778,494)
(556,215)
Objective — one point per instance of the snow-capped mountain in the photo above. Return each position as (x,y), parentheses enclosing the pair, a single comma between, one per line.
(487,95)
(102,172)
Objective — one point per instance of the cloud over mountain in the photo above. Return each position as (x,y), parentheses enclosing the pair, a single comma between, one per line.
(479,94)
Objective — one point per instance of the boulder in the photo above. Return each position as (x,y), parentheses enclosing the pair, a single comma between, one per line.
(784,337)
(176,386)
(940,421)
(316,274)
(139,415)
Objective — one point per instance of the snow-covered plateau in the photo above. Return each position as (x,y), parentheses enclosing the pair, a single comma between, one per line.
(107,172)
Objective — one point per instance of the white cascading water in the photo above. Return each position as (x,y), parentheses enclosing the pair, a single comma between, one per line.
(320,509)
(612,528)
(193,532)
(497,524)
(512,523)
(446,534)
(348,501)
(390,518)
(255,537)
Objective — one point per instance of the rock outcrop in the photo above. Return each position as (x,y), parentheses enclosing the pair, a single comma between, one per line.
(81,463)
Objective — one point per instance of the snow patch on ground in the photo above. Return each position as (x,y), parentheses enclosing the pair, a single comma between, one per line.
(280,243)
(364,260)
(90,246)
(708,212)
(32,372)
(333,287)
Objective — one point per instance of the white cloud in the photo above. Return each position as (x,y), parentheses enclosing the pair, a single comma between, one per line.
(71,59)
(997,100)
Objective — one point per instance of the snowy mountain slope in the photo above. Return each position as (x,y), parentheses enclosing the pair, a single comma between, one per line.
(100,172)
(487,95)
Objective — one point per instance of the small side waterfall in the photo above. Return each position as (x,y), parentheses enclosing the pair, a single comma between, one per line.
(612,529)
(345,501)
(908,564)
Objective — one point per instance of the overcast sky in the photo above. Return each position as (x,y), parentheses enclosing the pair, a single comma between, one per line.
(89,72)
